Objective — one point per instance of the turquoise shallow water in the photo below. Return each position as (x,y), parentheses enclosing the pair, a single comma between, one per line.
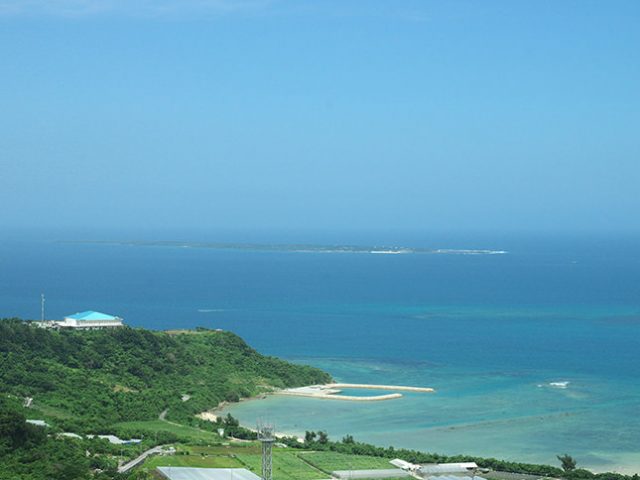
(489,332)
(506,413)
(361,392)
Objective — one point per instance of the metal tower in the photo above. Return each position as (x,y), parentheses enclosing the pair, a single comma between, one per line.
(265,435)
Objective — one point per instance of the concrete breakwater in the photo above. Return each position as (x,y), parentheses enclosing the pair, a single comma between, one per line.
(331,391)
(380,387)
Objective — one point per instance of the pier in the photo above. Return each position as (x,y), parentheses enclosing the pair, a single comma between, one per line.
(381,387)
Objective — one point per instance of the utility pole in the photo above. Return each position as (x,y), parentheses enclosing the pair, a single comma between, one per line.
(42,307)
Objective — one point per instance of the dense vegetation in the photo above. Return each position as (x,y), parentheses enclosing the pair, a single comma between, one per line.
(93,381)
(87,381)
(28,453)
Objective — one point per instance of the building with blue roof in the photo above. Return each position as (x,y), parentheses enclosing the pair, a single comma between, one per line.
(90,320)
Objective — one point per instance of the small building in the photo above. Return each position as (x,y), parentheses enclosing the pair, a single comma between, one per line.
(190,473)
(90,320)
(38,423)
(409,467)
(116,440)
(450,477)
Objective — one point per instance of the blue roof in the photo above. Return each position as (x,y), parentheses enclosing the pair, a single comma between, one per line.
(91,315)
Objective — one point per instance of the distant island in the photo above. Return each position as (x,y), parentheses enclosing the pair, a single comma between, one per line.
(301,248)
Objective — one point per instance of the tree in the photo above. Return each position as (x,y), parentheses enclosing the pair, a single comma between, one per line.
(567,462)
(323,438)
(13,428)
(348,439)
(309,437)
(230,421)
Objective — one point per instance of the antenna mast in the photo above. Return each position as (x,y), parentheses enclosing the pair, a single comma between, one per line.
(265,435)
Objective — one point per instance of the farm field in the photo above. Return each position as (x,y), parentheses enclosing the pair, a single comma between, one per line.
(287,464)
(330,461)
(184,431)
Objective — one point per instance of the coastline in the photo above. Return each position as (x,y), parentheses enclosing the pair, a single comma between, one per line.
(328,391)
(625,463)
(625,468)
(213,414)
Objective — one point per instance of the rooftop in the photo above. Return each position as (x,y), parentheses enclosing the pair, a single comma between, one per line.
(444,468)
(370,474)
(91,315)
(188,473)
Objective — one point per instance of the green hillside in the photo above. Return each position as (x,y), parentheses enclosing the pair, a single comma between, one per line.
(87,381)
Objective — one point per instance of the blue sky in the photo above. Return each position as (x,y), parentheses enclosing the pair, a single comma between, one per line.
(432,116)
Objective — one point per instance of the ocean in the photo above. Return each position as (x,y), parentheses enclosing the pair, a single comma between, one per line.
(533,353)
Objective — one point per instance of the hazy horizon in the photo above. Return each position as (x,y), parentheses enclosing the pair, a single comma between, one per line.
(278,115)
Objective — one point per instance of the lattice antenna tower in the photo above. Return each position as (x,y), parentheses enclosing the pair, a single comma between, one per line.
(266,437)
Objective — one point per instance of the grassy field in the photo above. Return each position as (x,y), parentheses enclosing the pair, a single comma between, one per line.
(227,449)
(39,410)
(180,430)
(209,461)
(330,461)
(286,466)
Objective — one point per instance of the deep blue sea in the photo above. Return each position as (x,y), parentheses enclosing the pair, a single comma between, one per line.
(494,334)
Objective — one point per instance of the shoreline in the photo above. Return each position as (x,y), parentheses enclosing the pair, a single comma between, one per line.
(620,467)
(624,469)
(215,413)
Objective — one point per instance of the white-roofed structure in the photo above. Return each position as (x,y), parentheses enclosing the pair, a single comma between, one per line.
(468,468)
(38,423)
(452,477)
(404,465)
(116,440)
(188,473)
(370,474)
